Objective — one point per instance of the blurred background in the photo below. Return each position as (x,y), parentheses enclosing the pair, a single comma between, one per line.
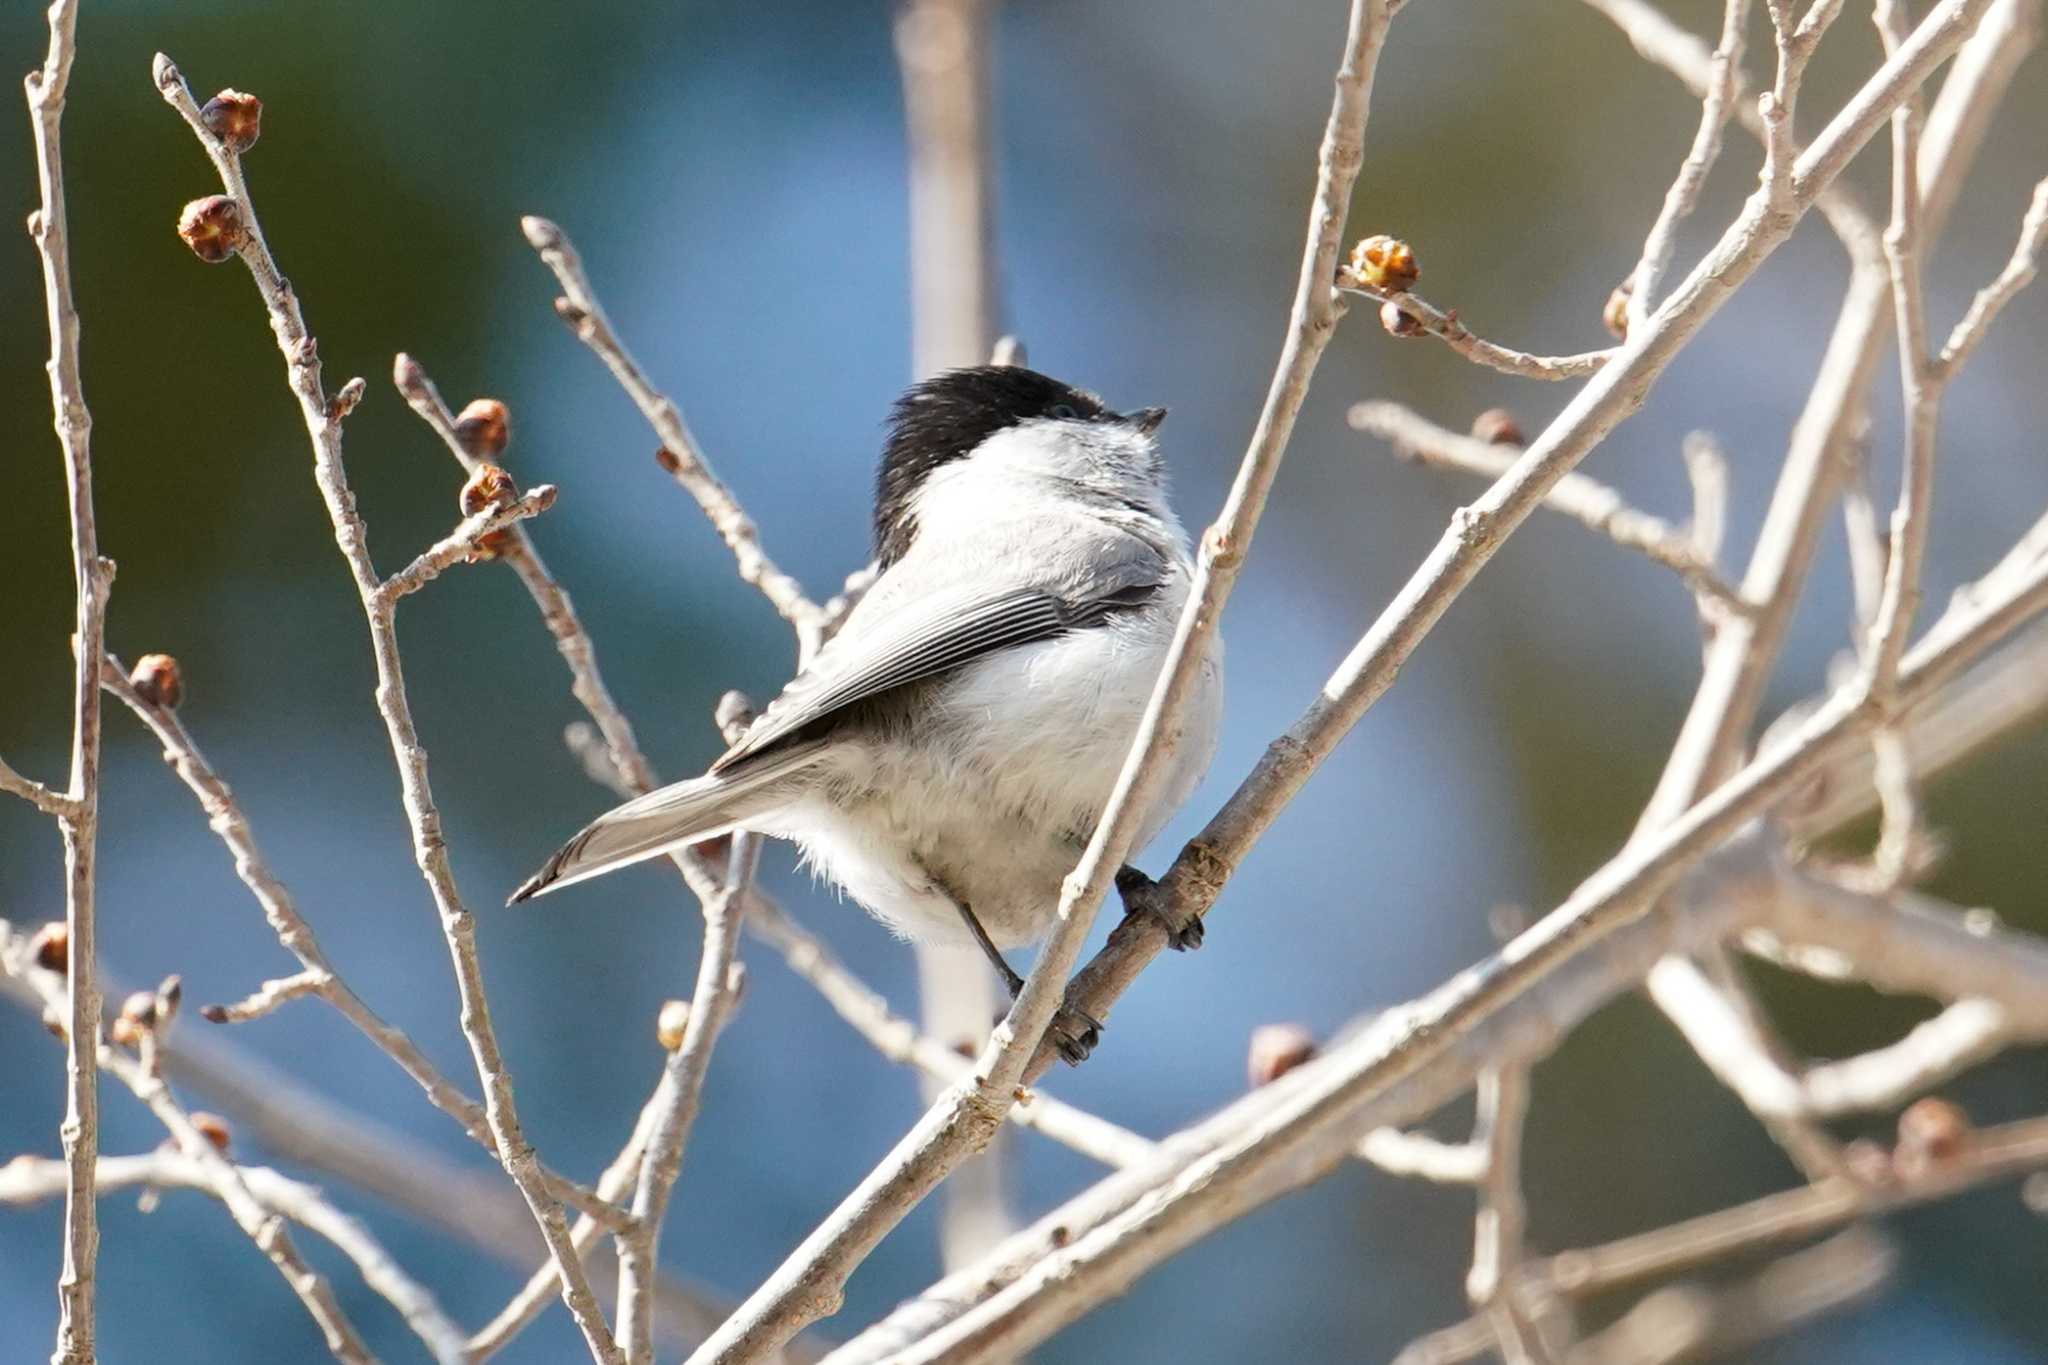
(735,177)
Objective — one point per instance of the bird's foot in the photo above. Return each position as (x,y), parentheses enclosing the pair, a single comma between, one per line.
(1143,896)
(1075,1033)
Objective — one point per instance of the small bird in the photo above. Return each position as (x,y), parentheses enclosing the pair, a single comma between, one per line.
(945,756)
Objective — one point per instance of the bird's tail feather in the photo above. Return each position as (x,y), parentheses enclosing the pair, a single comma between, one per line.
(675,816)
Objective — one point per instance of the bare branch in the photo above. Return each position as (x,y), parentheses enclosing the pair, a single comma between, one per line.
(1445,327)
(680,454)
(1903,245)
(1963,1034)
(269,997)
(79,819)
(45,799)
(676,1100)
(1723,78)
(1503,1215)
(557,612)
(226,818)
(143,1078)
(1582,498)
(1991,299)
(1686,1322)
(323,427)
(460,545)
(30,1179)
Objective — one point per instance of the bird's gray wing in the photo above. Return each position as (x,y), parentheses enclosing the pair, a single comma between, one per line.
(922,636)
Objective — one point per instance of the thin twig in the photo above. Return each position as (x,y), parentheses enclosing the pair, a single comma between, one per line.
(48,800)
(2018,273)
(1584,499)
(1741,657)
(681,455)
(323,427)
(1503,1215)
(461,544)
(809,1282)
(677,1098)
(319,977)
(1718,105)
(29,1179)
(146,1081)
(1445,326)
(269,997)
(557,612)
(79,820)
(1690,1322)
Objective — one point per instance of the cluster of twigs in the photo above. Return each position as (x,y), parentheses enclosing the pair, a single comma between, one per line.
(1717,864)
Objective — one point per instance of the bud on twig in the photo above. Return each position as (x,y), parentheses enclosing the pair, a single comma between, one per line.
(1384,263)
(51,947)
(136,1021)
(1615,314)
(484,428)
(235,118)
(670,1023)
(1398,323)
(214,1129)
(1277,1049)
(489,487)
(159,681)
(1932,1133)
(345,398)
(213,228)
(1497,426)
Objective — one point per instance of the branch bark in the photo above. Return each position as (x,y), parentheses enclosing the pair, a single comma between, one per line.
(78,816)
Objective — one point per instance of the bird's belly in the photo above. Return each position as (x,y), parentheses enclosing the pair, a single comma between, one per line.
(990,798)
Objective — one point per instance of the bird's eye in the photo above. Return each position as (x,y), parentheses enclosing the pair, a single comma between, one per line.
(1064,412)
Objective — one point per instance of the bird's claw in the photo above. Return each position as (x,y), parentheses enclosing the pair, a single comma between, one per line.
(1075,1033)
(1141,896)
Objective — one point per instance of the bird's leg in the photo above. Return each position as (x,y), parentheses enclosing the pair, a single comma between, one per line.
(1074,1032)
(1142,896)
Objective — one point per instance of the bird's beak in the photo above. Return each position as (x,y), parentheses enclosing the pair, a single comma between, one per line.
(1147,420)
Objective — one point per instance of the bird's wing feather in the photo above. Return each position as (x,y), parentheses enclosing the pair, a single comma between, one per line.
(935,633)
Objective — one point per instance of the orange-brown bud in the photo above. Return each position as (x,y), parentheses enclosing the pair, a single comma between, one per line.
(1398,323)
(214,1129)
(1277,1049)
(1497,426)
(51,947)
(159,680)
(670,1023)
(1932,1132)
(213,228)
(484,428)
(489,487)
(1384,262)
(1615,314)
(235,118)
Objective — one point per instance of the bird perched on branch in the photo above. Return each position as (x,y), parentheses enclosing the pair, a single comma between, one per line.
(945,757)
